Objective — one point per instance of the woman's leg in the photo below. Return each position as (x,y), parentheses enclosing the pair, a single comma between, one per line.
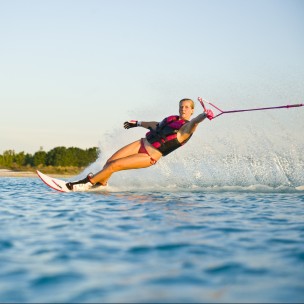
(127,150)
(135,161)
(124,159)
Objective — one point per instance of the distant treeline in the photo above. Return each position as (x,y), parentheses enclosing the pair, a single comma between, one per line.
(57,157)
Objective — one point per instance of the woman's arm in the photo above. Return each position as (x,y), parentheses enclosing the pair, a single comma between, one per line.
(189,128)
(145,124)
(148,124)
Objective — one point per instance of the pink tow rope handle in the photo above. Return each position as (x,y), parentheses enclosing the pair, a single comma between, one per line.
(245,110)
(200,99)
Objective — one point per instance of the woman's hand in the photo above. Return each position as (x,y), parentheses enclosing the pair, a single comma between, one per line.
(131,124)
(209,114)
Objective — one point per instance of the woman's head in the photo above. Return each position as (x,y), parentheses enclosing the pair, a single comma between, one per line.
(186,108)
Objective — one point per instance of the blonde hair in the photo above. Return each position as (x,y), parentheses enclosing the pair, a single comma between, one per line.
(188,99)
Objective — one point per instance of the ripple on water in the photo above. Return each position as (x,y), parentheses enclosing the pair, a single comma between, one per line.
(149,247)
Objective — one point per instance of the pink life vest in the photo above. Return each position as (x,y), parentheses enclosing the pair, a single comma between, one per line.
(164,137)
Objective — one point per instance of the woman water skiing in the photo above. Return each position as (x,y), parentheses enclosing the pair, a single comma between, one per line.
(163,138)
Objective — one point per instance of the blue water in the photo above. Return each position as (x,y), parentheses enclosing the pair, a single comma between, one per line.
(150,245)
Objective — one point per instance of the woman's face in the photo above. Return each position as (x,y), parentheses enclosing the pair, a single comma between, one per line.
(185,109)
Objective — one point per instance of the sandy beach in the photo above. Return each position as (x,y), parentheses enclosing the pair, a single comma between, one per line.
(10,173)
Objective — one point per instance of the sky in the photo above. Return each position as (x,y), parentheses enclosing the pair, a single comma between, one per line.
(72,71)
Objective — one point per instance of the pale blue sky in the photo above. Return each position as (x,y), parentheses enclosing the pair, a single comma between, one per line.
(70,71)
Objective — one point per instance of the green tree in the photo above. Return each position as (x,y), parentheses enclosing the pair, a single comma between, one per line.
(19,159)
(8,158)
(56,157)
(29,160)
(92,154)
(39,158)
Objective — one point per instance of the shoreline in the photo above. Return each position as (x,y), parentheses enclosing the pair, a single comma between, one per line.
(11,173)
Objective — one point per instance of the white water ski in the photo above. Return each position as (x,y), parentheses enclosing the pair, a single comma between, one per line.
(54,183)
(60,185)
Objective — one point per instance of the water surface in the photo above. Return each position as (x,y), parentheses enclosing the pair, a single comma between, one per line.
(150,246)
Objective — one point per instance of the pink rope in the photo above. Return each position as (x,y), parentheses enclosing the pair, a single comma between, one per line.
(246,110)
